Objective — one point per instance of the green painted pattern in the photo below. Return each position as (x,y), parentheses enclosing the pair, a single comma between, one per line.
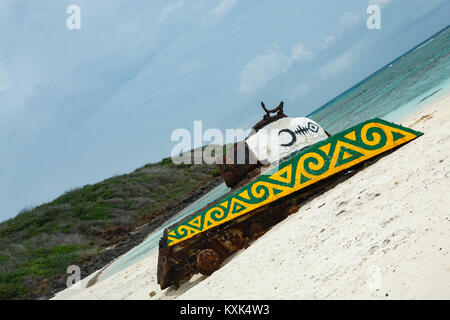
(318,162)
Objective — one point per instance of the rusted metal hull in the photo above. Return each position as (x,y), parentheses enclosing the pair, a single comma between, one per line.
(201,242)
(206,252)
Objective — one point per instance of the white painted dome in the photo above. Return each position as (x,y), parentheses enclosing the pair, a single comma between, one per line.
(283,137)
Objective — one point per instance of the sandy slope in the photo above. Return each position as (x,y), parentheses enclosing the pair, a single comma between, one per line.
(383,233)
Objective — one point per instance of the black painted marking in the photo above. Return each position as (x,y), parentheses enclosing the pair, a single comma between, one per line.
(300,130)
(294,138)
(313,127)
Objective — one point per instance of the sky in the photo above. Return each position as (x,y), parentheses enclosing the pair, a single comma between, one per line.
(79,106)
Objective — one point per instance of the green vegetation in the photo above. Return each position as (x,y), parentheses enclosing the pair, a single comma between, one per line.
(40,243)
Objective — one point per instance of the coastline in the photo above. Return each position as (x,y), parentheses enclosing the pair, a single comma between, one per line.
(382,234)
(93,269)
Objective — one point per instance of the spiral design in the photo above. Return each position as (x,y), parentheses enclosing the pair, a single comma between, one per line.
(313,163)
(373,136)
(216,213)
(260,190)
(183,231)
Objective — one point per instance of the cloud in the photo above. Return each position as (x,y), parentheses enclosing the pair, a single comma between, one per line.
(221,10)
(381,3)
(340,63)
(224,7)
(167,11)
(299,53)
(261,69)
(329,39)
(349,19)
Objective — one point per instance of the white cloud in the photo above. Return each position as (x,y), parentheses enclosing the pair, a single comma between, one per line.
(349,18)
(329,39)
(340,63)
(261,69)
(221,10)
(299,53)
(381,3)
(224,7)
(167,11)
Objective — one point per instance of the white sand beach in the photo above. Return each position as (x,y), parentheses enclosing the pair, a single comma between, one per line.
(384,233)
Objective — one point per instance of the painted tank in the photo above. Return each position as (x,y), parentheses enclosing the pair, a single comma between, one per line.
(282,163)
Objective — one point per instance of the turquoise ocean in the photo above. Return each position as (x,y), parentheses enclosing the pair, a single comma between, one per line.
(420,76)
(399,88)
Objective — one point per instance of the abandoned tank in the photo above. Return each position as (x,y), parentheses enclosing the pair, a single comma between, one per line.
(283,162)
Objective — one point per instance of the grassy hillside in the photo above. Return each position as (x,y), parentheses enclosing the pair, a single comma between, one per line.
(40,243)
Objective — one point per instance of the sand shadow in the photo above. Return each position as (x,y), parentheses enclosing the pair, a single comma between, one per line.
(172,292)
